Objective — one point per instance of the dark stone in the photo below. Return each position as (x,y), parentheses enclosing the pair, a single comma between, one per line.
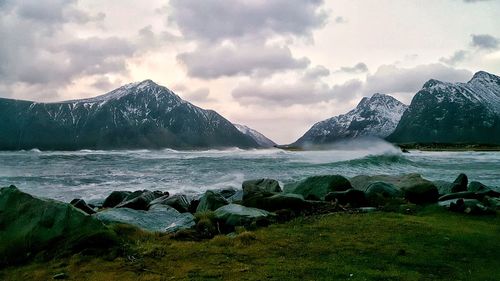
(227,193)
(280,201)
(355,198)
(138,201)
(177,201)
(193,205)
(82,205)
(317,187)
(30,224)
(445,187)
(210,201)
(460,183)
(260,185)
(381,193)
(158,193)
(115,198)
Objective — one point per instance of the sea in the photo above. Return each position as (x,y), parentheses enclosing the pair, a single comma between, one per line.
(92,175)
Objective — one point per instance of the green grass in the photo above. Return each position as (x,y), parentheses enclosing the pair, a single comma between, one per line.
(431,245)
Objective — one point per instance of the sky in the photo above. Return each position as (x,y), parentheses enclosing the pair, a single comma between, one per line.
(277,66)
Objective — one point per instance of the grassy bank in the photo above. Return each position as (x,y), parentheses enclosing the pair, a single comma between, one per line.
(430,245)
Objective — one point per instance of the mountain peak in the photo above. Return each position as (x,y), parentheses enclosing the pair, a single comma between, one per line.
(483,75)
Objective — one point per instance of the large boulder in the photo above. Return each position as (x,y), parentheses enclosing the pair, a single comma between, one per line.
(210,201)
(160,218)
(353,197)
(82,205)
(415,189)
(461,183)
(280,201)
(178,201)
(115,198)
(470,206)
(317,187)
(381,193)
(260,185)
(476,186)
(29,224)
(238,215)
(138,200)
(445,187)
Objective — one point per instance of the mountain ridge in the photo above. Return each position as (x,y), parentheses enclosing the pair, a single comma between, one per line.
(136,115)
(375,116)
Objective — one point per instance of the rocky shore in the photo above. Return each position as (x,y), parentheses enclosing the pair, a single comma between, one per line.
(29,225)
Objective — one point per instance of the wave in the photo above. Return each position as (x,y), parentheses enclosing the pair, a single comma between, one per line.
(378,160)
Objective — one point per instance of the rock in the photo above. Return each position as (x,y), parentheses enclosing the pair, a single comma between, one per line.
(29,224)
(421,192)
(138,200)
(238,215)
(353,197)
(115,198)
(237,197)
(193,205)
(160,218)
(227,193)
(260,185)
(82,205)
(445,187)
(177,201)
(278,201)
(210,201)
(476,186)
(470,206)
(317,187)
(380,193)
(457,195)
(493,203)
(95,203)
(415,189)
(460,183)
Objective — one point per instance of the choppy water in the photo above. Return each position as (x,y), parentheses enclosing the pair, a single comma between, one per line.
(94,174)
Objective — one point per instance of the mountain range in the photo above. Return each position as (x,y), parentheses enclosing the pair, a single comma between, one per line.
(137,115)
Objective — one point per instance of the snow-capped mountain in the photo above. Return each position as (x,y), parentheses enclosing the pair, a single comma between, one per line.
(444,112)
(261,140)
(376,116)
(137,115)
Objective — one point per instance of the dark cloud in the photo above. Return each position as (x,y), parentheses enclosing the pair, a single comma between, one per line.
(215,20)
(215,61)
(484,41)
(358,68)
(392,79)
(457,57)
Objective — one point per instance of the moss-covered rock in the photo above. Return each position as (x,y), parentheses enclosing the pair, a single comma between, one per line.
(381,193)
(29,224)
(317,187)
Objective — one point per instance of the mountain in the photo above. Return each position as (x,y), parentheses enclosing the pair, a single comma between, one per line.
(137,115)
(376,116)
(444,112)
(261,140)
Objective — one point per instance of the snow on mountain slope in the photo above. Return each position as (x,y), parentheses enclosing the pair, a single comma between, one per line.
(453,112)
(255,135)
(137,115)
(376,116)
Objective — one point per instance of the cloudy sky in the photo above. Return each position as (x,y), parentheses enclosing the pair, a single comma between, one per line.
(277,66)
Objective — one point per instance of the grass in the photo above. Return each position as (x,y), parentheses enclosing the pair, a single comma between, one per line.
(429,245)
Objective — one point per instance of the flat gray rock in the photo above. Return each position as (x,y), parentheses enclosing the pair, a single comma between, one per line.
(160,218)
